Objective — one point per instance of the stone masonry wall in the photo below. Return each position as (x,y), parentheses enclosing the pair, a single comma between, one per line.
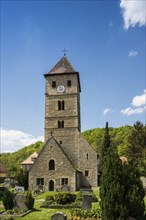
(63,168)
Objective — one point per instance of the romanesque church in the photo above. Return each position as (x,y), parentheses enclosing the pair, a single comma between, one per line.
(67,159)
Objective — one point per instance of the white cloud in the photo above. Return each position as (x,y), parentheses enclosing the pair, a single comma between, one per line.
(12,140)
(132,53)
(138,105)
(107,111)
(139,100)
(130,111)
(133,12)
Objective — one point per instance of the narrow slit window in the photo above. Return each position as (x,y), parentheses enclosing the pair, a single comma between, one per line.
(69,83)
(53,84)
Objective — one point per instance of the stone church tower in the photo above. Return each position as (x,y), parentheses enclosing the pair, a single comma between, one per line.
(66,160)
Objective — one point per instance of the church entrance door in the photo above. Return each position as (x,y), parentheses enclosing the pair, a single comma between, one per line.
(51,185)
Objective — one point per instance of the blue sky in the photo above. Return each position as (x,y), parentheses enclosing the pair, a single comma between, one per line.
(106,44)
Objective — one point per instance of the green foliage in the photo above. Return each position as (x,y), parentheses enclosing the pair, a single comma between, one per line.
(8,200)
(63,198)
(121,189)
(22,178)
(91,213)
(136,150)
(12,161)
(118,136)
(6,218)
(130,141)
(134,192)
(112,189)
(79,197)
(29,200)
(49,198)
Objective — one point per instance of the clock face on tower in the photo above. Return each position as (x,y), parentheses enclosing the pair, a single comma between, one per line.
(60,89)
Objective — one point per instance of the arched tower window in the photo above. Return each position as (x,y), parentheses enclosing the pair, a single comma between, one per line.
(51,165)
(61,105)
(60,124)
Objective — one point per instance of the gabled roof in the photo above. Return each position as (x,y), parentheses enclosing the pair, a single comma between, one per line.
(2,168)
(30,159)
(63,151)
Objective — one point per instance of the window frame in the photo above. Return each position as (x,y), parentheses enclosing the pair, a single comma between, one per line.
(64,181)
(40,181)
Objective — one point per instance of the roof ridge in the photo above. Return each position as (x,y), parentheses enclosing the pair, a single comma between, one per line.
(72,163)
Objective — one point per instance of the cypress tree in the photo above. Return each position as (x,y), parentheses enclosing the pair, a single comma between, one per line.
(112,189)
(105,146)
(136,143)
(121,189)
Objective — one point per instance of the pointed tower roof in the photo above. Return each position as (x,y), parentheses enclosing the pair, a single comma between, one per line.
(63,66)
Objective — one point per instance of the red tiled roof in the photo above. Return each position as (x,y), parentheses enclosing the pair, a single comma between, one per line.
(30,160)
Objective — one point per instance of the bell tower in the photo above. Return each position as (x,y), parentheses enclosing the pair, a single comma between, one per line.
(66,157)
(62,101)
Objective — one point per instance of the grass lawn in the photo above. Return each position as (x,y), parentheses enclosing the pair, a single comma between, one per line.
(46,213)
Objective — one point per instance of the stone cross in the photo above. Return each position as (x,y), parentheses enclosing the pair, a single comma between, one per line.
(65,50)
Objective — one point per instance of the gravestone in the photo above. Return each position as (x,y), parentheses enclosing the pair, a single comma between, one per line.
(19,189)
(65,188)
(87,202)
(59,216)
(20,201)
(7,182)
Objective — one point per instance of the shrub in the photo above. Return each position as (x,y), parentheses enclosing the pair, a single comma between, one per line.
(6,218)
(91,213)
(94,198)
(46,204)
(8,200)
(49,198)
(79,197)
(63,198)
(29,200)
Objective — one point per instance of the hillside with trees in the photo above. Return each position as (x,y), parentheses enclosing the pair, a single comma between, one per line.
(13,161)
(130,141)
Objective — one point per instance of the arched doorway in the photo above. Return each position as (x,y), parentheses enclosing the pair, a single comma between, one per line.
(51,185)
